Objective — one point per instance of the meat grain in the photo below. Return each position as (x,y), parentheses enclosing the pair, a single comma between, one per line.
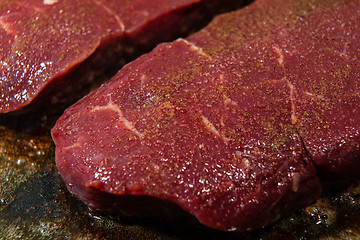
(42,41)
(231,124)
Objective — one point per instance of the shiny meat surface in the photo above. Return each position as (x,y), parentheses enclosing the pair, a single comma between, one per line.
(42,41)
(227,128)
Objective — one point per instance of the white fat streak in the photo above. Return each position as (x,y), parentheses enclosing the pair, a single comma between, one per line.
(280,55)
(6,27)
(229,101)
(50,2)
(294,117)
(195,48)
(222,121)
(127,124)
(213,129)
(75,145)
(316,96)
(111,12)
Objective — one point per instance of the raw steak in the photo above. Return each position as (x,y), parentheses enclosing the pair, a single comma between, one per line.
(231,123)
(41,41)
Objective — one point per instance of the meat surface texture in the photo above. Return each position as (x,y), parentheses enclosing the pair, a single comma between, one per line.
(232,123)
(41,41)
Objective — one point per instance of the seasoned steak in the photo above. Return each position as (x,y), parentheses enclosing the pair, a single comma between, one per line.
(42,41)
(231,123)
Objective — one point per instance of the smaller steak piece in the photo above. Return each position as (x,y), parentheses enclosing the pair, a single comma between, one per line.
(42,41)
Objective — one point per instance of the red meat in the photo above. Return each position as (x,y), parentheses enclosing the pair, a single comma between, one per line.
(42,41)
(231,123)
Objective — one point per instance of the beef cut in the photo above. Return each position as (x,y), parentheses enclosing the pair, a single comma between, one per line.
(42,41)
(231,124)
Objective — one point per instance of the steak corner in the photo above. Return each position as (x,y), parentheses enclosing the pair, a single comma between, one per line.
(232,123)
